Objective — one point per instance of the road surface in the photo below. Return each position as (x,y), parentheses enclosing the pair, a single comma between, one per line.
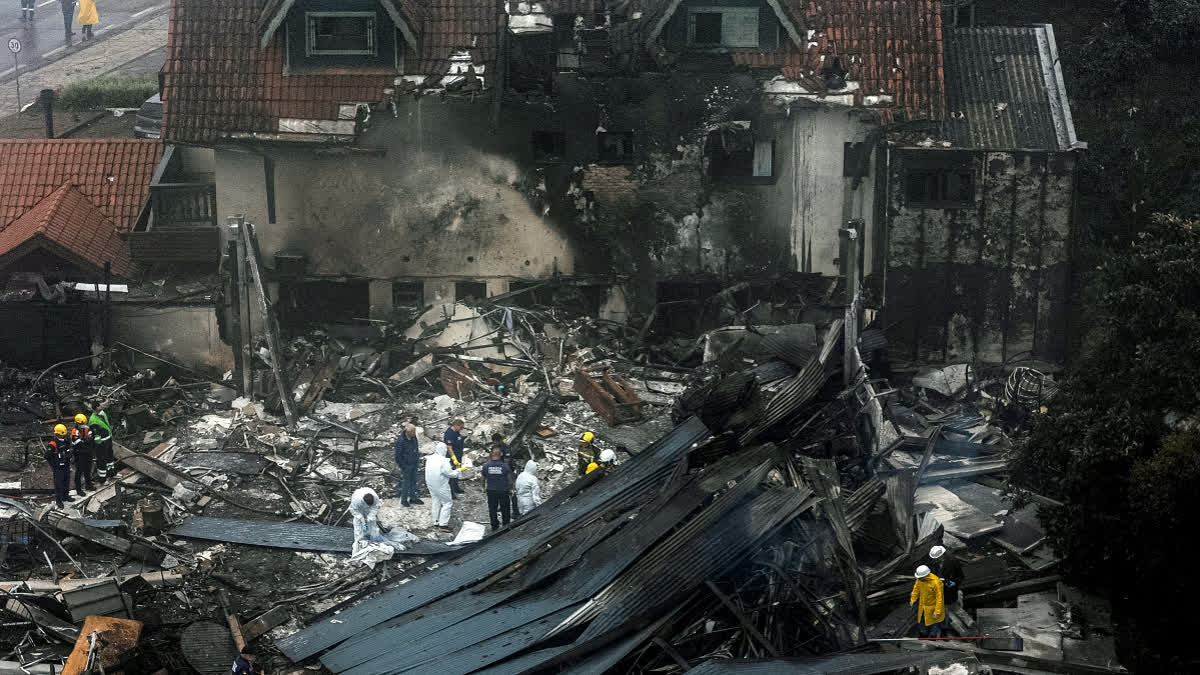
(42,42)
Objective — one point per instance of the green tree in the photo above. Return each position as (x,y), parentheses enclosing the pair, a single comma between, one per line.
(1119,448)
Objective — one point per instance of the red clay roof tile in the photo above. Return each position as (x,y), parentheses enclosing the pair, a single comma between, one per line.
(67,218)
(113,173)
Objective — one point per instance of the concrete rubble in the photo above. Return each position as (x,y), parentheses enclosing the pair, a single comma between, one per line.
(770,499)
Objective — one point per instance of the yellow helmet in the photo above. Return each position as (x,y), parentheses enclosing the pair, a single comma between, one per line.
(80,418)
(587,437)
(60,430)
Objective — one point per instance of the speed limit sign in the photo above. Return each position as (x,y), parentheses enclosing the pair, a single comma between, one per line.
(14,45)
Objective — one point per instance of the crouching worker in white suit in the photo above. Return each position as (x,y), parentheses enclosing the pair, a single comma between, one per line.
(438,472)
(371,544)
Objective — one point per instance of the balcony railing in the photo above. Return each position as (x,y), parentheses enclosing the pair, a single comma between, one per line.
(182,205)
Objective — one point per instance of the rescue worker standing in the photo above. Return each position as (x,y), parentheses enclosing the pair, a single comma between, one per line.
(58,455)
(947,568)
(529,490)
(408,459)
(931,608)
(81,447)
(498,481)
(438,474)
(455,442)
(586,452)
(68,12)
(101,430)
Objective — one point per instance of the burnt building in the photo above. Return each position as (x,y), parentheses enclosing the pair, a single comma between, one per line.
(389,151)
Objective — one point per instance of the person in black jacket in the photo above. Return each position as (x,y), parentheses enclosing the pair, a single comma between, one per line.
(58,456)
(408,459)
(949,570)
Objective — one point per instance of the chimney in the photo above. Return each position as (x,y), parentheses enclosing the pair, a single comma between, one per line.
(47,97)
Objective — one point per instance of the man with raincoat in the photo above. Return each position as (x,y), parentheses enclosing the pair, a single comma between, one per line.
(438,473)
(529,490)
(87,17)
(927,594)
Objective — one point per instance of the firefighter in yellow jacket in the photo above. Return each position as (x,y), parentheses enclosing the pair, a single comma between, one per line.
(929,597)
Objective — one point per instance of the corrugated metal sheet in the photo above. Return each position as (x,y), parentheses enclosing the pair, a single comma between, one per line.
(997,78)
(296,536)
(645,470)
(451,621)
(698,551)
(842,664)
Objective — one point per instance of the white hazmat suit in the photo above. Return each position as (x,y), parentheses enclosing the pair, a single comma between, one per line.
(371,545)
(438,472)
(528,489)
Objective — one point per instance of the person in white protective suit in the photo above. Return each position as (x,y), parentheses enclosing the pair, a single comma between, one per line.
(438,472)
(529,490)
(370,543)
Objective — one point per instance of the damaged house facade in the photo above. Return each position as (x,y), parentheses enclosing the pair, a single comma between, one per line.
(390,152)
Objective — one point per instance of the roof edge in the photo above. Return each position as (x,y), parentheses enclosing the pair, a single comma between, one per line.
(1056,88)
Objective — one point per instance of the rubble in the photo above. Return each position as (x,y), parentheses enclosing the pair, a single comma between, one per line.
(768,503)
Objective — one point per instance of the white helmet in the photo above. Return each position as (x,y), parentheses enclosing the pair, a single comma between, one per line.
(922,572)
(937,552)
(608,456)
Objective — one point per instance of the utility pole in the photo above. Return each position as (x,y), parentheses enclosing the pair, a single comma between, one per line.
(243,322)
(851,251)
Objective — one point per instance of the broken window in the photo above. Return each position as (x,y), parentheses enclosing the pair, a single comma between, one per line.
(943,188)
(470,290)
(340,33)
(549,146)
(723,26)
(615,147)
(306,303)
(408,294)
(735,153)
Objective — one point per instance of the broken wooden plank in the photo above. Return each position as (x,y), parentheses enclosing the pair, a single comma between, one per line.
(320,384)
(164,451)
(47,586)
(610,397)
(133,549)
(116,637)
(264,622)
(956,516)
(419,368)
(270,324)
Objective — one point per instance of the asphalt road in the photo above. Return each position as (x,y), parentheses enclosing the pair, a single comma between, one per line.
(43,41)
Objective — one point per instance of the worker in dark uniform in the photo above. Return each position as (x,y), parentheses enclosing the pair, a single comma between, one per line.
(505,449)
(58,455)
(498,481)
(82,447)
(408,460)
(586,452)
(102,434)
(455,442)
(245,663)
(27,7)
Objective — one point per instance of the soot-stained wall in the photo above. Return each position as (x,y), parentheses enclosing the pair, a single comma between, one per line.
(988,282)
(428,193)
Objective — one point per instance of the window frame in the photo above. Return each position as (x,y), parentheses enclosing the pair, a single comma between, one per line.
(310,49)
(628,158)
(727,14)
(941,182)
(746,178)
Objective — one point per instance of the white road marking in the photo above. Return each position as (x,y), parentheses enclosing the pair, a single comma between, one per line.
(47,2)
(148,9)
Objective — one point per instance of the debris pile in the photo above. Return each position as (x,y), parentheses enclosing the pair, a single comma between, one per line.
(769,501)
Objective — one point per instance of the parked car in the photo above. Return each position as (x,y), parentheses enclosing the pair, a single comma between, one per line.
(149,119)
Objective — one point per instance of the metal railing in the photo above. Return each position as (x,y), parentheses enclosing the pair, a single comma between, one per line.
(183,205)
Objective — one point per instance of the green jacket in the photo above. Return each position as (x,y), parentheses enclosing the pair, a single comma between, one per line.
(100,419)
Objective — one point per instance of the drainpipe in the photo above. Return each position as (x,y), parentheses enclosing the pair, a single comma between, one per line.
(47,97)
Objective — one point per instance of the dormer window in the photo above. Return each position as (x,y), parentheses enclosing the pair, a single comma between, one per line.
(340,34)
(723,27)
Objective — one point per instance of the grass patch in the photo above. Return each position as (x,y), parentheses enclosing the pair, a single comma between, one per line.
(108,92)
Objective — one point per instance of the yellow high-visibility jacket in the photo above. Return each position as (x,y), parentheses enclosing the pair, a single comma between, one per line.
(87,16)
(931,605)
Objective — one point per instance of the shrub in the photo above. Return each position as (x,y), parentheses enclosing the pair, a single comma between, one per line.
(108,92)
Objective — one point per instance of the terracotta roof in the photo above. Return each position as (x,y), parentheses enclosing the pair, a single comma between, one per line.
(218,81)
(72,227)
(891,47)
(114,174)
